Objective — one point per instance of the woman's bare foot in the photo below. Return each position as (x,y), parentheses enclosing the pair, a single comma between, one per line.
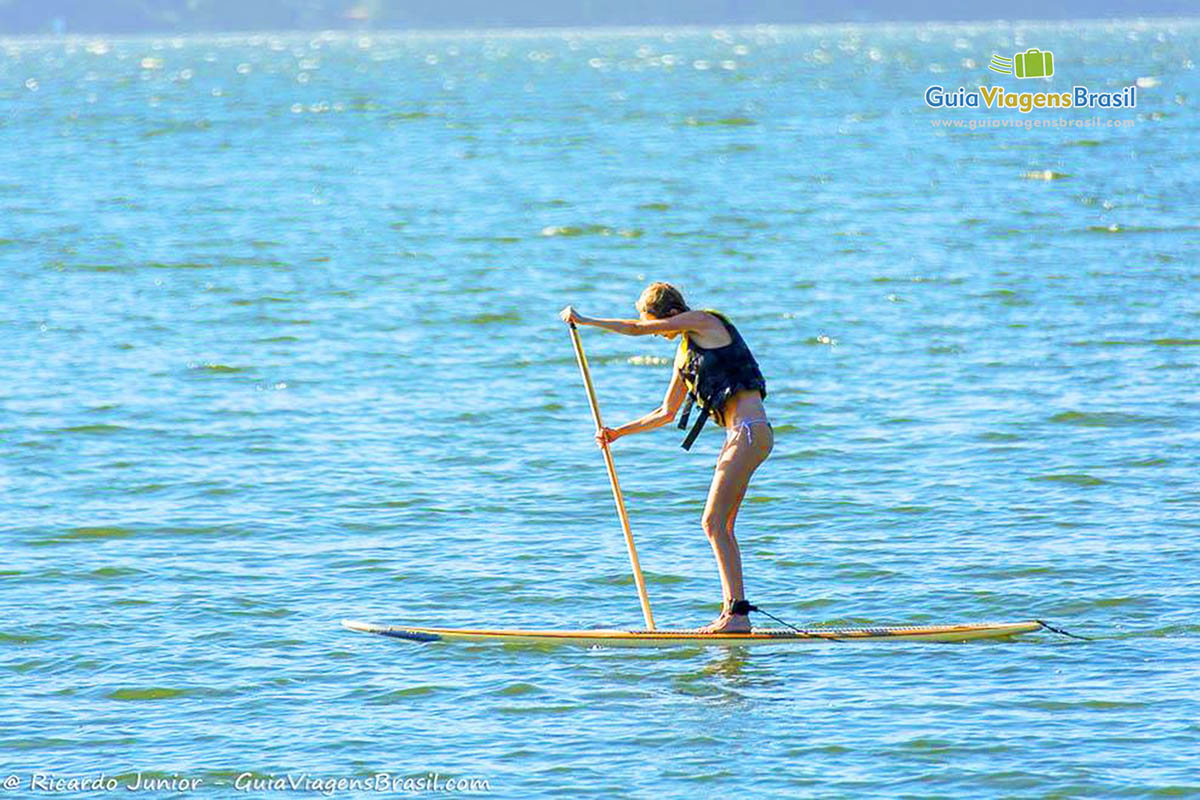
(728,623)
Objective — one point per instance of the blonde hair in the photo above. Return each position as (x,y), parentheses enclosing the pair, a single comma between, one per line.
(661,300)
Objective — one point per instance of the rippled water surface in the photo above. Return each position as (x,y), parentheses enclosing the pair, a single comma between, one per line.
(279,347)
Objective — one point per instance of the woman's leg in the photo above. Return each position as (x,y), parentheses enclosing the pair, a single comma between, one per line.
(739,458)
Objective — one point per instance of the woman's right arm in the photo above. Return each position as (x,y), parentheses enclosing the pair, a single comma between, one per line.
(682,323)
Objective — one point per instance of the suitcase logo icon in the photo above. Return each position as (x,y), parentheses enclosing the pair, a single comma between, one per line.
(1033,63)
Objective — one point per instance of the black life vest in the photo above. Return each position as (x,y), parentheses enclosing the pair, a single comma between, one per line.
(713,375)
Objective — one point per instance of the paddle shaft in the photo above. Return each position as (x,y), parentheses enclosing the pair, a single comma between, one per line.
(612,479)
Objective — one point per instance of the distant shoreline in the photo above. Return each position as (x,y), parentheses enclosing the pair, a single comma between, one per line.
(616,30)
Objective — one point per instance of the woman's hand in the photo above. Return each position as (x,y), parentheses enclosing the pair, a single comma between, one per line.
(606,436)
(569,315)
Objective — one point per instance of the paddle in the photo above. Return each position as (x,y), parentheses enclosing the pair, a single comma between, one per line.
(612,479)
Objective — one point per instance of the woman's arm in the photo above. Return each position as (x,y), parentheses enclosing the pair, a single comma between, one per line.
(660,416)
(682,322)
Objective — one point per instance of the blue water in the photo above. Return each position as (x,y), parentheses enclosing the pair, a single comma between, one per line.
(279,347)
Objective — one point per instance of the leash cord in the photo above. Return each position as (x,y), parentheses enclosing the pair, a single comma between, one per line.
(800,631)
(1062,632)
(1045,625)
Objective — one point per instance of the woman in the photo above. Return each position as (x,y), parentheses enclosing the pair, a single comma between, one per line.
(714,369)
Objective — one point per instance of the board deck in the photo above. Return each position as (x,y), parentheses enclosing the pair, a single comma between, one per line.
(692,638)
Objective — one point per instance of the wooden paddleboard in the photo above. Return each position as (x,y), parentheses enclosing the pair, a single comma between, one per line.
(686,638)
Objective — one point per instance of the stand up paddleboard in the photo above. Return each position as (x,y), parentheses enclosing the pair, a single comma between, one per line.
(650,637)
(761,636)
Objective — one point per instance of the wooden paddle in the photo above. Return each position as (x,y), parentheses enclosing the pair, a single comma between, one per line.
(612,479)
